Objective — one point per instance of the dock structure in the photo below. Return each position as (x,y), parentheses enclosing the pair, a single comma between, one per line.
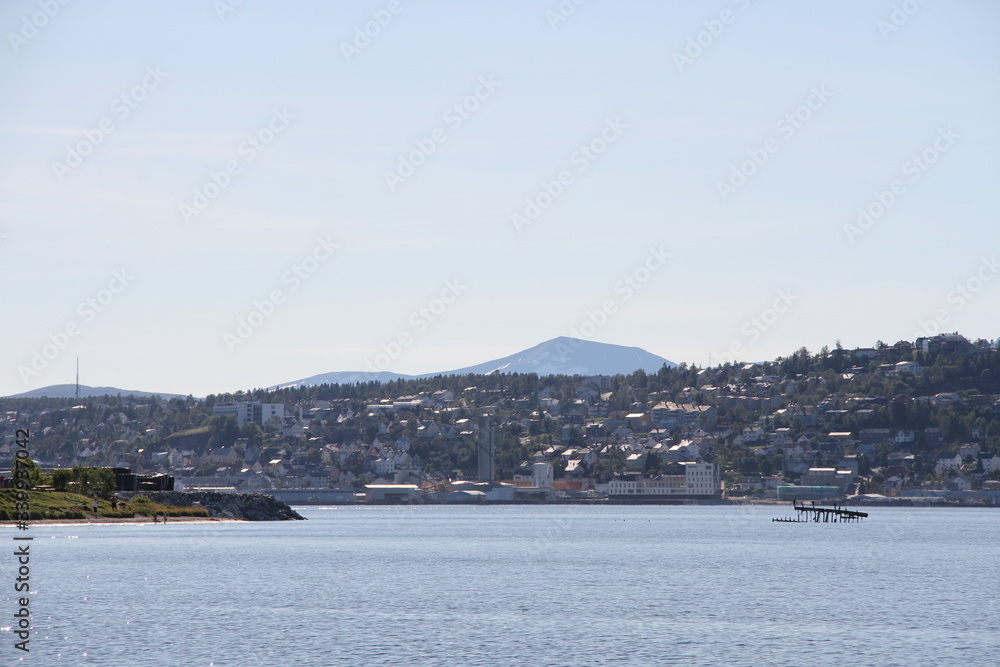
(806,513)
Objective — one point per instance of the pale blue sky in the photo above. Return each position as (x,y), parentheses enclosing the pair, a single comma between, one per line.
(885,97)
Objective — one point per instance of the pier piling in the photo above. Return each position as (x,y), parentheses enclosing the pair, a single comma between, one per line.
(806,513)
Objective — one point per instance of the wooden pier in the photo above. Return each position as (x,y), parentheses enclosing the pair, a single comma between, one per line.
(810,513)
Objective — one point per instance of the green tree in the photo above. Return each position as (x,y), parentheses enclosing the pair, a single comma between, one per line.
(766,467)
(35,475)
(654,466)
(94,481)
(224,431)
(61,479)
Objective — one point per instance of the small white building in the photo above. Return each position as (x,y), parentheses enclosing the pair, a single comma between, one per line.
(541,475)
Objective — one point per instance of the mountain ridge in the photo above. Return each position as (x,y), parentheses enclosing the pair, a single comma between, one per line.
(69,391)
(563,355)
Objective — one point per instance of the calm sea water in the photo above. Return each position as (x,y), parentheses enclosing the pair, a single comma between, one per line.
(529,585)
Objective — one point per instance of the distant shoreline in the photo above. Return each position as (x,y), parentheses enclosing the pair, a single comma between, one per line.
(603,502)
(93,520)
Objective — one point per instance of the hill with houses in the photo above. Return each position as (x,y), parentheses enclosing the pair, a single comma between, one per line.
(914,419)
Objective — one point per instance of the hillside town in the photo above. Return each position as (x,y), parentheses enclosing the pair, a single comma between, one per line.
(914,422)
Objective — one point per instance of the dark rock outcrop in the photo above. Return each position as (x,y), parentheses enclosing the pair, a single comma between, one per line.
(247,506)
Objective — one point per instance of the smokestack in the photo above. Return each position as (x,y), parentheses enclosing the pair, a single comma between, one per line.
(487,453)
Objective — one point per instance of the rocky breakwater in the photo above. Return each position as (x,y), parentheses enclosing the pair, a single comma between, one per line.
(246,506)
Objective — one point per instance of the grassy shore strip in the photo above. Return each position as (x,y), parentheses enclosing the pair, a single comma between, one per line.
(56,505)
(94,520)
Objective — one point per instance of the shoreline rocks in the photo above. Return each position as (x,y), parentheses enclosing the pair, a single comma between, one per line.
(245,506)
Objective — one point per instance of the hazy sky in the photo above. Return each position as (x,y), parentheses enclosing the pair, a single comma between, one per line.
(201,197)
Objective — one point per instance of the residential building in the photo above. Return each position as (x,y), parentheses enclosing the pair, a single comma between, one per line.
(252,411)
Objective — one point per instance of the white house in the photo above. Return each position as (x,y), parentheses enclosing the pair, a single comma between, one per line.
(967,450)
(991,464)
(384,466)
(443,397)
(780,437)
(908,367)
(411,402)
(953,462)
